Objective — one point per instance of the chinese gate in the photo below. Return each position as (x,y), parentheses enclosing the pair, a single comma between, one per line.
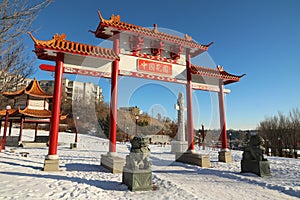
(137,52)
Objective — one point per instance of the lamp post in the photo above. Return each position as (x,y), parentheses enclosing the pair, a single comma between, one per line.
(279,147)
(230,145)
(136,124)
(127,128)
(203,136)
(295,146)
(137,116)
(76,129)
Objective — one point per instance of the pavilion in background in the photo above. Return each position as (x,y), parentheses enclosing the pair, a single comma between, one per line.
(27,105)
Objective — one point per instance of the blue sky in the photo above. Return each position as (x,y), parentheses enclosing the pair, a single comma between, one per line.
(260,38)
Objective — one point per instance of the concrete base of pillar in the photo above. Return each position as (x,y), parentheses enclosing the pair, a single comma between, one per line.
(51,165)
(113,163)
(30,144)
(193,158)
(225,156)
(179,146)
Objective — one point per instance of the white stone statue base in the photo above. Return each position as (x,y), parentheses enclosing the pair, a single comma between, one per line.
(113,163)
(179,146)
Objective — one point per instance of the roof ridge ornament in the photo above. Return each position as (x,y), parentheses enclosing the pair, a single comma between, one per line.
(220,68)
(208,45)
(155,30)
(100,16)
(114,18)
(32,37)
(187,37)
(58,37)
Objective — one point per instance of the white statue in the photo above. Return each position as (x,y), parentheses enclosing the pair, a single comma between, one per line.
(180,107)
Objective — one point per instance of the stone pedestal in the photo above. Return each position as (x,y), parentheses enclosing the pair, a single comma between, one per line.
(225,156)
(51,165)
(137,180)
(113,163)
(260,168)
(179,146)
(193,158)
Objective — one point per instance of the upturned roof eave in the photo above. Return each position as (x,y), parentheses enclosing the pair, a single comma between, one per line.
(60,44)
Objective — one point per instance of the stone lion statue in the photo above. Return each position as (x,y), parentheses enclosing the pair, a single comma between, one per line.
(139,156)
(254,149)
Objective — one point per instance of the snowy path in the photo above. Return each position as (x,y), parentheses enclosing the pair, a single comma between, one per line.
(82,177)
(224,181)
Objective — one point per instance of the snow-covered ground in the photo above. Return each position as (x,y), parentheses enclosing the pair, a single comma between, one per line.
(82,177)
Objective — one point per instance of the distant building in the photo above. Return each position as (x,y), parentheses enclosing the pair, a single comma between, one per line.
(75,90)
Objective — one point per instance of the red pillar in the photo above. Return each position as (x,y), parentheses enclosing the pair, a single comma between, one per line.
(56,105)
(189,90)
(114,96)
(21,129)
(5,129)
(10,127)
(222,115)
(35,131)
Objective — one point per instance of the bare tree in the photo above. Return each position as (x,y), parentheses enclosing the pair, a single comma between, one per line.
(295,127)
(16,18)
(281,132)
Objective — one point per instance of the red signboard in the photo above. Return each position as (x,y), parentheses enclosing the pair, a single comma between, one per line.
(154,67)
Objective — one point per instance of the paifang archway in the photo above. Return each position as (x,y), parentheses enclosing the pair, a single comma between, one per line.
(137,52)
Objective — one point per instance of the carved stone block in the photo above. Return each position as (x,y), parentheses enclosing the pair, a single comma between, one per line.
(260,168)
(137,180)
